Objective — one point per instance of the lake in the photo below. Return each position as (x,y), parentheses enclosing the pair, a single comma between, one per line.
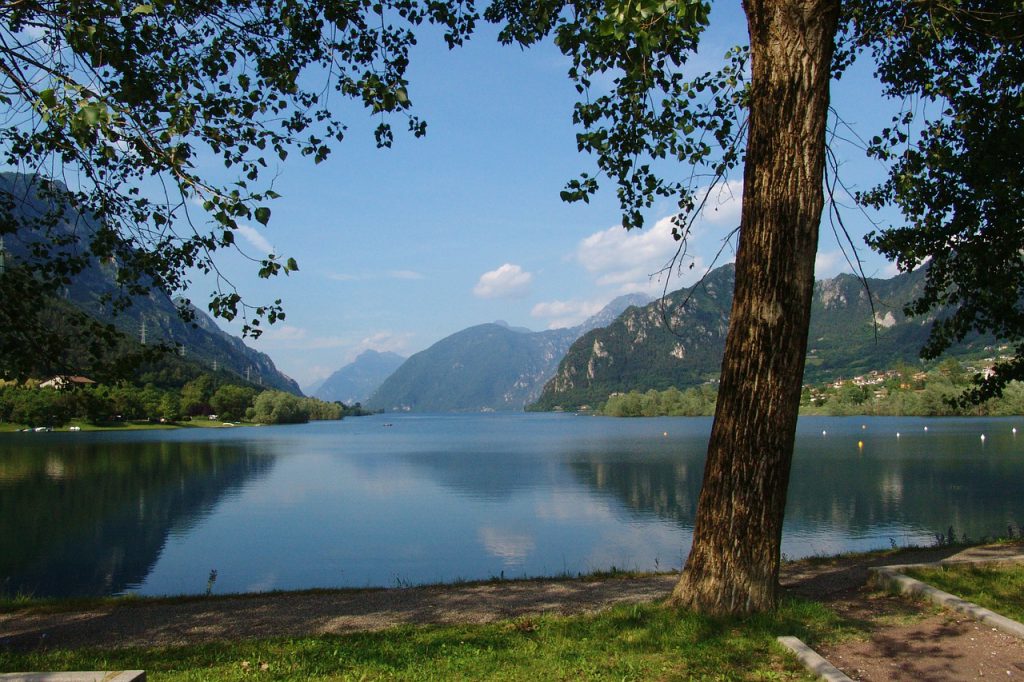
(408,499)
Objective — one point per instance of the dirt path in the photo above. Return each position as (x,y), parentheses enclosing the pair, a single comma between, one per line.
(942,646)
(907,640)
(290,614)
(898,644)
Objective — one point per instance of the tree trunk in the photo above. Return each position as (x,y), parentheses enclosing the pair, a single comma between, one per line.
(733,566)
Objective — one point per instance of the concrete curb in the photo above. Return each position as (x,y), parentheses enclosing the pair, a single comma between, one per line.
(813,661)
(89,676)
(892,578)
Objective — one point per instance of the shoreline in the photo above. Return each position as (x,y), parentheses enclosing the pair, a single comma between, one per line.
(139,425)
(132,622)
(792,571)
(604,628)
(84,427)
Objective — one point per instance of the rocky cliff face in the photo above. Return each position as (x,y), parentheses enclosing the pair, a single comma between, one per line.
(669,342)
(679,341)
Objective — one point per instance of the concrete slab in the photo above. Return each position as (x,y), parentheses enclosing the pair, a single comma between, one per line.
(813,661)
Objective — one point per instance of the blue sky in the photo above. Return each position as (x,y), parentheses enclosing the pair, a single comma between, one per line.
(400,247)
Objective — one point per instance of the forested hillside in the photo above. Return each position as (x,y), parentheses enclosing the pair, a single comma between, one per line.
(679,342)
(152,319)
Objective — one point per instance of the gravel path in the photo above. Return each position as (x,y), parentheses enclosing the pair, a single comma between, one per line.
(939,647)
(290,614)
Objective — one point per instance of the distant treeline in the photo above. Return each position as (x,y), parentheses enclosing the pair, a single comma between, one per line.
(904,391)
(693,402)
(31,405)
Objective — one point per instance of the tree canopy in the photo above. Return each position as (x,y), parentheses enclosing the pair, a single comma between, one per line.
(118,114)
(955,156)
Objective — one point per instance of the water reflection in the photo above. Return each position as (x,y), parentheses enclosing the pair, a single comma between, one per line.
(908,488)
(77,519)
(978,496)
(443,498)
(668,490)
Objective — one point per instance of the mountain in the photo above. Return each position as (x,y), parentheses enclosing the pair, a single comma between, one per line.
(209,344)
(486,367)
(639,352)
(152,318)
(356,381)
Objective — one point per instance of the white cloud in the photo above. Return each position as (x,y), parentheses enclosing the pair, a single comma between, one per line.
(36,32)
(890,270)
(287,336)
(617,251)
(724,205)
(508,281)
(315,373)
(635,260)
(314,357)
(631,261)
(828,264)
(343,349)
(283,333)
(257,240)
(561,314)
(384,341)
(391,274)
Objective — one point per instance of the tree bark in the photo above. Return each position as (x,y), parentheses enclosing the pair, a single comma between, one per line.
(733,565)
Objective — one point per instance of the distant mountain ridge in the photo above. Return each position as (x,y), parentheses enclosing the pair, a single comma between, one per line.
(489,367)
(154,316)
(639,352)
(356,381)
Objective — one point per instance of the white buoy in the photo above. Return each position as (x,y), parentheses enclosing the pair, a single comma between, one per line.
(665,433)
(1014,429)
(897,434)
(926,428)
(824,433)
(983,438)
(863,426)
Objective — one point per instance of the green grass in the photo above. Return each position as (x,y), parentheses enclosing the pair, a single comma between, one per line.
(628,642)
(994,586)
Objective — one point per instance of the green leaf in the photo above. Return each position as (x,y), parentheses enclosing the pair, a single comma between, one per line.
(262,215)
(292,265)
(143,9)
(48,97)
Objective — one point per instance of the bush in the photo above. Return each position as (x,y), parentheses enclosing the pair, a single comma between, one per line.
(277,407)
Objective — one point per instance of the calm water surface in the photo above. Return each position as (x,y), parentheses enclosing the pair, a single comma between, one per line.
(441,498)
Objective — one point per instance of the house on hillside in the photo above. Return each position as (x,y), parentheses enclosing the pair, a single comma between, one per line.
(60,382)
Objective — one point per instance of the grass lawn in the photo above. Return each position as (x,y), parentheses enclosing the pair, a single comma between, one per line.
(628,642)
(996,587)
